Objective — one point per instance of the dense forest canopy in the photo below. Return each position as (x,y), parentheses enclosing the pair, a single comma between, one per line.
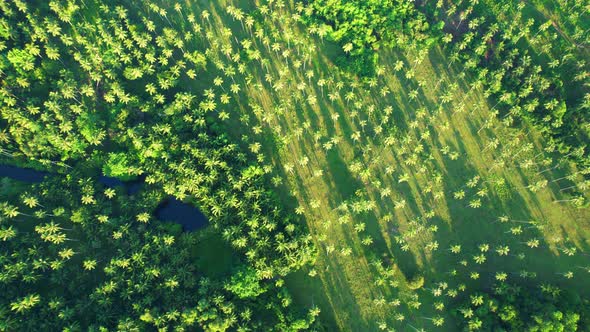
(361,165)
(96,85)
(513,308)
(363,26)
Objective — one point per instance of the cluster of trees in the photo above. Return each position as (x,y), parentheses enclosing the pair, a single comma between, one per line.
(509,307)
(526,72)
(531,70)
(360,27)
(537,73)
(148,88)
(415,148)
(78,256)
(89,85)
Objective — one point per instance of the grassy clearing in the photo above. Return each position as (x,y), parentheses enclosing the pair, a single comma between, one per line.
(213,255)
(374,168)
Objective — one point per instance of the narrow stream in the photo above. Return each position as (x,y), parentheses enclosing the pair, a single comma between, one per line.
(170,210)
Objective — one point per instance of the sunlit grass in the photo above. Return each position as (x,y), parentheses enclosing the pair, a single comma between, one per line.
(323,144)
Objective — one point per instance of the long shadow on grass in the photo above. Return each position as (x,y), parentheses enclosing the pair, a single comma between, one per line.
(338,286)
(338,106)
(343,182)
(308,292)
(346,185)
(472,227)
(451,70)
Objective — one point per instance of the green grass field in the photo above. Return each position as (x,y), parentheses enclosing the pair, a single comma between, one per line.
(394,170)
(416,190)
(373,167)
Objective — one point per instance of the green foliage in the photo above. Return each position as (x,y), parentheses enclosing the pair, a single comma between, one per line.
(501,188)
(194,101)
(87,84)
(555,321)
(416,282)
(512,308)
(245,284)
(101,269)
(363,64)
(530,69)
(361,27)
(117,165)
(4,29)
(22,60)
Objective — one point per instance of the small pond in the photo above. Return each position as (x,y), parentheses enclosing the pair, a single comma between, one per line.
(22,174)
(187,215)
(170,210)
(132,186)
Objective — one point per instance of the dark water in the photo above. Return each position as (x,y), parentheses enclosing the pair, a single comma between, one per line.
(34,176)
(171,209)
(132,187)
(22,174)
(187,215)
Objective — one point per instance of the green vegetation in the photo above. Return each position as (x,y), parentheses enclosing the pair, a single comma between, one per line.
(95,85)
(529,67)
(361,27)
(364,165)
(511,308)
